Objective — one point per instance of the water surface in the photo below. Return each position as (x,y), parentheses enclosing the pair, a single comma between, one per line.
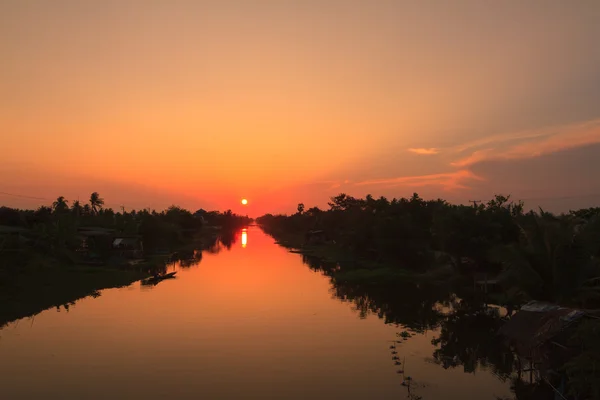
(252,322)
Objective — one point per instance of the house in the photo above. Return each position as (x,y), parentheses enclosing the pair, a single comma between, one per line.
(128,246)
(95,242)
(539,333)
(539,323)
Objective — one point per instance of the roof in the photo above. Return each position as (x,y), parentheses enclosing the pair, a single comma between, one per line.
(126,241)
(538,322)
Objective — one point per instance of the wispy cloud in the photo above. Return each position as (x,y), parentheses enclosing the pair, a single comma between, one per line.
(424,151)
(528,144)
(475,157)
(448,181)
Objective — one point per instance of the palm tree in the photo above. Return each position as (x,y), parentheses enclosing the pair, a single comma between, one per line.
(60,205)
(96,202)
(76,208)
(556,259)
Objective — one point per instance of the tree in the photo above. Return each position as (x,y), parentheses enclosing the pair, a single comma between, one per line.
(60,205)
(555,259)
(96,202)
(77,208)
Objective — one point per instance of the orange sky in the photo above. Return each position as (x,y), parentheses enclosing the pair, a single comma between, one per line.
(202,103)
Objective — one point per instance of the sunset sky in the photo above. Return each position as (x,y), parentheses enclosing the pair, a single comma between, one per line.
(203,103)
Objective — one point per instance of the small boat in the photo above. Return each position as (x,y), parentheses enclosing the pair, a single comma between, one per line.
(153,280)
(166,276)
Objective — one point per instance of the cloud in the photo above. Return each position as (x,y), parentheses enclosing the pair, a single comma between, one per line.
(424,152)
(529,144)
(448,181)
(475,157)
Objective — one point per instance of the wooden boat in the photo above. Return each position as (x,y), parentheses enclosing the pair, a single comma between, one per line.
(153,280)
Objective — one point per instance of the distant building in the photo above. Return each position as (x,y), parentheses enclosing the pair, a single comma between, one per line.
(102,243)
(128,246)
(539,334)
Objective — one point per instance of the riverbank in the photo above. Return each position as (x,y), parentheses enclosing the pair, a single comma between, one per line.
(448,297)
(347,267)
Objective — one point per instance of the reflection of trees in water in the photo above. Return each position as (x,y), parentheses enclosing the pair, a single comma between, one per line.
(467,328)
(468,338)
(228,238)
(211,245)
(402,303)
(187,259)
(399,302)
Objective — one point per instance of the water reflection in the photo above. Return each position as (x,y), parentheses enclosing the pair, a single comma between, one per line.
(463,326)
(244,237)
(211,245)
(256,316)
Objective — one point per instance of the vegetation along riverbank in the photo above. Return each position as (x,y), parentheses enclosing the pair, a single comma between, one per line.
(56,254)
(535,264)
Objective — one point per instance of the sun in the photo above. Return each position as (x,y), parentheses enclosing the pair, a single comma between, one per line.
(244,201)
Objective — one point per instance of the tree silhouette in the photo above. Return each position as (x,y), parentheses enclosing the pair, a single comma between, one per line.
(60,205)
(77,208)
(96,202)
(555,259)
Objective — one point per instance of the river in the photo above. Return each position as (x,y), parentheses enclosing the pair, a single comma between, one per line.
(251,322)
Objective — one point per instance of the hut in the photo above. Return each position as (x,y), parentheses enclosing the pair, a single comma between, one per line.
(539,323)
(128,246)
(539,333)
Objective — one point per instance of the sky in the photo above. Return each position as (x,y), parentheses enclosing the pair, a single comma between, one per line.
(203,103)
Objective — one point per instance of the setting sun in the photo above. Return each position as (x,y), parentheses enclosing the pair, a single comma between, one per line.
(244,201)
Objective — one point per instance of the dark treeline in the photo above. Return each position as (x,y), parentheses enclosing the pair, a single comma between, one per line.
(416,263)
(534,255)
(59,253)
(57,230)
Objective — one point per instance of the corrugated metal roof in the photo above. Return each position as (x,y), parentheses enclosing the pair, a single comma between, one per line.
(538,322)
(539,306)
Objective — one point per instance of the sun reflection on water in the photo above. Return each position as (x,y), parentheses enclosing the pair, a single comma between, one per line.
(244,237)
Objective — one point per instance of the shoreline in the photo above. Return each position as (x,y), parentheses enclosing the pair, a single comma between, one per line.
(358,269)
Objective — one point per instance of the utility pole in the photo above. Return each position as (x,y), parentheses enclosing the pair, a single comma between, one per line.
(122,209)
(474,202)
